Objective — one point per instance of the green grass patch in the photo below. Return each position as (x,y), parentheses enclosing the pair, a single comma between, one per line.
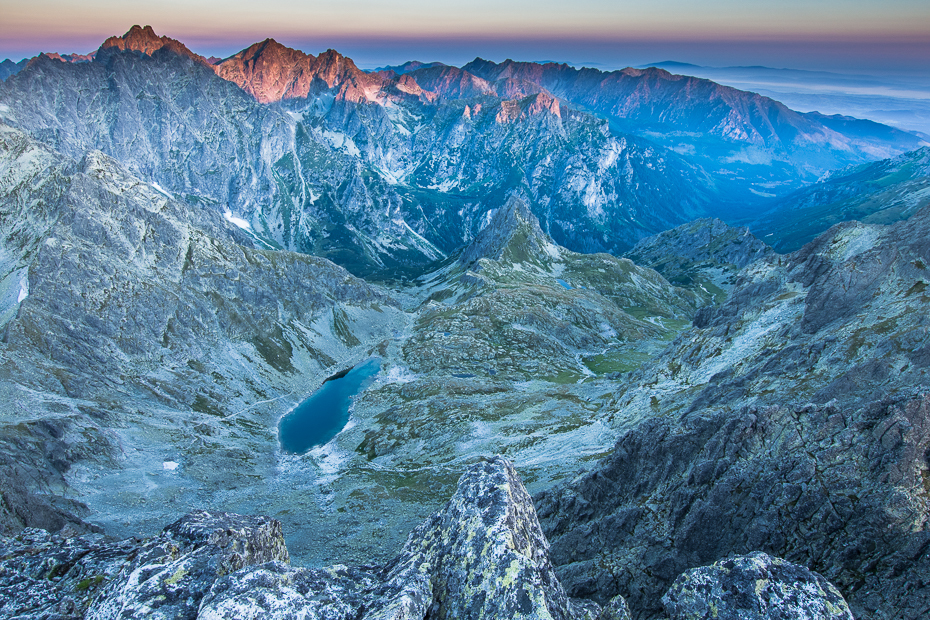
(563,377)
(342,329)
(616,361)
(275,349)
(90,582)
(202,404)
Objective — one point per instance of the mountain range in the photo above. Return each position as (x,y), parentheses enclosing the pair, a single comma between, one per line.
(539,258)
(386,172)
(881,192)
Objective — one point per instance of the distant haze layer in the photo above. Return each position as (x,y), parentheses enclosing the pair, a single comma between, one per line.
(831,34)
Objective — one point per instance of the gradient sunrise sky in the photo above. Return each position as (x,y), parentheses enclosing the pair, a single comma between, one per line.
(810,34)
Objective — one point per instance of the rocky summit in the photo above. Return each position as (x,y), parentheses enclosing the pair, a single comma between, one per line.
(590,393)
(483,555)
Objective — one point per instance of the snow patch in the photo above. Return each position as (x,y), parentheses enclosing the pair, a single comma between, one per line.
(425,246)
(750,155)
(237,221)
(609,156)
(23,289)
(607,332)
(162,190)
(330,459)
(170,465)
(445,186)
(341,141)
(486,219)
(553,251)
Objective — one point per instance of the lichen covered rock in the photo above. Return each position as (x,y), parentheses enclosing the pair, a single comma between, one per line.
(46,575)
(754,587)
(482,556)
(170,574)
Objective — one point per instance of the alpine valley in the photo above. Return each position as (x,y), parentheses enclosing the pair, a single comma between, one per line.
(648,346)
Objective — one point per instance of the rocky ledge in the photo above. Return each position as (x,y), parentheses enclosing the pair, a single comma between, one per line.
(482,556)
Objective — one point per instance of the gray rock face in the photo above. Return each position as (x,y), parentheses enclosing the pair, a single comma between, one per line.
(513,219)
(839,490)
(49,576)
(724,453)
(704,255)
(126,307)
(482,556)
(754,587)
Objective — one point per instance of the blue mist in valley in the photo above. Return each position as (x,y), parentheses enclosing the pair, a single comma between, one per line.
(320,418)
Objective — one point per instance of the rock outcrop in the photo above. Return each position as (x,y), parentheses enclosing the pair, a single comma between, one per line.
(840,490)
(483,555)
(754,587)
(66,576)
(512,234)
(705,255)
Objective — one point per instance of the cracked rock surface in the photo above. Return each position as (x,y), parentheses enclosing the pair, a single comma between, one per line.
(754,587)
(58,576)
(483,555)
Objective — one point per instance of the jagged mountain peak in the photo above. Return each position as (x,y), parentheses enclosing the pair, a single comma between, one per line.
(332,62)
(512,234)
(270,71)
(540,105)
(450,82)
(145,41)
(725,117)
(540,102)
(511,88)
(269,49)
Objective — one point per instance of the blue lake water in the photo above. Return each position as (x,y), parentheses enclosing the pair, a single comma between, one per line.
(320,418)
(564,284)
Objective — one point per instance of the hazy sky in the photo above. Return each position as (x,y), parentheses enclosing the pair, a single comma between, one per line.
(828,34)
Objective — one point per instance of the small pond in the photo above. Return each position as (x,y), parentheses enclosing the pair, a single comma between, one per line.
(320,418)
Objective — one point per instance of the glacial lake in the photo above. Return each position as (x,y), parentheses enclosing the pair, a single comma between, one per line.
(320,418)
